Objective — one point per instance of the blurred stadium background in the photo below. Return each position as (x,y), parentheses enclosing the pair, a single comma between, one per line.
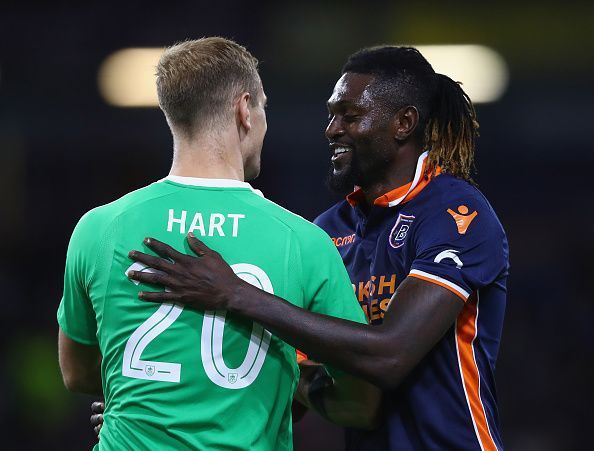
(64,150)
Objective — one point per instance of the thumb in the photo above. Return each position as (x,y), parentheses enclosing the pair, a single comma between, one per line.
(199,248)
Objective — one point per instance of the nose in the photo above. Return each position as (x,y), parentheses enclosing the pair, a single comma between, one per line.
(334,128)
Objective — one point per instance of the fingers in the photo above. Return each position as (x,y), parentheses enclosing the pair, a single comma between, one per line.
(158,296)
(97,420)
(98,407)
(164,250)
(155,278)
(197,246)
(151,261)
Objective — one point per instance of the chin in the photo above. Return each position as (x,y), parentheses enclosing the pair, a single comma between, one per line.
(342,181)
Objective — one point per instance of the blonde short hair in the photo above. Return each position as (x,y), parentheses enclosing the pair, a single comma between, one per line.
(198,79)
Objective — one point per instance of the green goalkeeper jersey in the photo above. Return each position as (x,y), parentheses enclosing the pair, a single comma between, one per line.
(175,378)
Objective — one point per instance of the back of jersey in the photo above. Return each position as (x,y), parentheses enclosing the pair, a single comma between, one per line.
(175,377)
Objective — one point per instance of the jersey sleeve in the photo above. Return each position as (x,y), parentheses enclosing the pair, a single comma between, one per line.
(462,249)
(76,316)
(326,285)
(327,288)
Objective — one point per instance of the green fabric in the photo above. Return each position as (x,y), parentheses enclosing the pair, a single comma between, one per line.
(166,384)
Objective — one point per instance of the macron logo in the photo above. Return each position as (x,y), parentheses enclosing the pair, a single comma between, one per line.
(462,217)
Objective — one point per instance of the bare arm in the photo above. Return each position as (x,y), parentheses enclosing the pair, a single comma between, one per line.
(419,316)
(80,365)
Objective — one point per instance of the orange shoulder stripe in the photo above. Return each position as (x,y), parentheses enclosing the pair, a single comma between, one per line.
(462,294)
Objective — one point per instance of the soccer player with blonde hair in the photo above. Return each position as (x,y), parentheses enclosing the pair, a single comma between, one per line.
(175,378)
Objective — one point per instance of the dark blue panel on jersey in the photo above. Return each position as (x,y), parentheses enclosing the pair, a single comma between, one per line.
(448,235)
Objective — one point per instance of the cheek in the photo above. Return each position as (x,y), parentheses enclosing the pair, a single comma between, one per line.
(364,132)
(264,123)
(364,127)
(366,123)
(373,142)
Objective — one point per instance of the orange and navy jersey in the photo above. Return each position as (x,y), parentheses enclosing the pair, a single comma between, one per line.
(440,229)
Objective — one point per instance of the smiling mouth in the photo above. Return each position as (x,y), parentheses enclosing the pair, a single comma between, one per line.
(339,150)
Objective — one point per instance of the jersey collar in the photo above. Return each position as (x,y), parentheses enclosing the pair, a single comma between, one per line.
(403,193)
(211,183)
(215,183)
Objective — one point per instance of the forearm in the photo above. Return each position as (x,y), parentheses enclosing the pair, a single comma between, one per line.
(83,380)
(383,355)
(90,383)
(80,366)
(352,347)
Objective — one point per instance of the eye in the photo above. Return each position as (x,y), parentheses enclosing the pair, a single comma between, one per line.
(350,118)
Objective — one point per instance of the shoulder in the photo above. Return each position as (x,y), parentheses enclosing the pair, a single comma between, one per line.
(452,198)
(455,214)
(334,214)
(446,188)
(96,221)
(304,230)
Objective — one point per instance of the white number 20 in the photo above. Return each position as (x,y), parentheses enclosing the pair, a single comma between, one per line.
(211,342)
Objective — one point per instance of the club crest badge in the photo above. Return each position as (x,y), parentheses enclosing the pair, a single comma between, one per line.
(149,370)
(232,377)
(400,230)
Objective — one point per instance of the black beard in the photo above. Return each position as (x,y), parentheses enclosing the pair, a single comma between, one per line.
(358,173)
(345,181)
(339,183)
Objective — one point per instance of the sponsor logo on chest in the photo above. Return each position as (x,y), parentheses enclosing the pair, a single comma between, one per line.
(343,240)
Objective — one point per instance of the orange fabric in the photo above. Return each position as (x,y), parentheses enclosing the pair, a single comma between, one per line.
(355,197)
(437,282)
(465,335)
(300,356)
(383,201)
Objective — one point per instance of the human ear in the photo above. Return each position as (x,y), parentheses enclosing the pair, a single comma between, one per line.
(407,119)
(243,111)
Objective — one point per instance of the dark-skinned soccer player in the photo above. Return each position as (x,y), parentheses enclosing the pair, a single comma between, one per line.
(424,249)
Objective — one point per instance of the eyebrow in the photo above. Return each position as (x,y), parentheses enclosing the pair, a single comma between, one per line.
(342,104)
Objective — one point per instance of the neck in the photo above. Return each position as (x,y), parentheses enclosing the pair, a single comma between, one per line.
(207,156)
(400,172)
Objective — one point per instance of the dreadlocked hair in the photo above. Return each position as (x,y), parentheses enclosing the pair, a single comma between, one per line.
(452,130)
(447,121)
